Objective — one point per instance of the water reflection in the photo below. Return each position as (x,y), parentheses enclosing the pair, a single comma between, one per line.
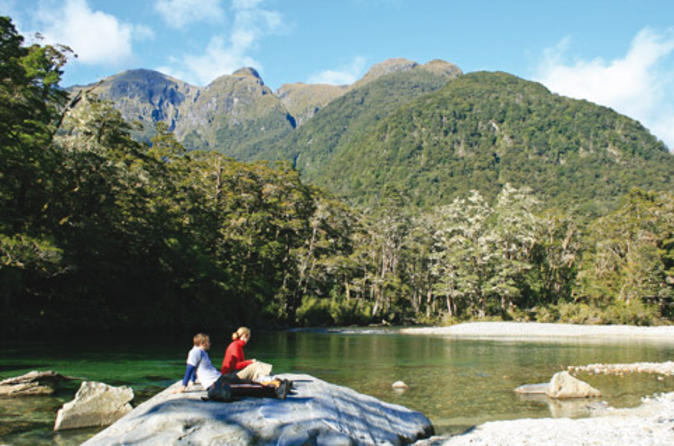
(567,408)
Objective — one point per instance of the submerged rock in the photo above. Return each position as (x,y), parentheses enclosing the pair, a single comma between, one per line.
(95,404)
(533,388)
(31,383)
(317,413)
(563,385)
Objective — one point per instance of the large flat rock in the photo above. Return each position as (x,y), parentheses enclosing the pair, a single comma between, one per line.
(319,413)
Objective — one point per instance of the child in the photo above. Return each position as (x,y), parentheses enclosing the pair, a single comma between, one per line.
(218,387)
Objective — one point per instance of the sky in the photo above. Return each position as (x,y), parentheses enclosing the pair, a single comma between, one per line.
(617,53)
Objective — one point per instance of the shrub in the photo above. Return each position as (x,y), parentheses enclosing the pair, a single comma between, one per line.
(314,311)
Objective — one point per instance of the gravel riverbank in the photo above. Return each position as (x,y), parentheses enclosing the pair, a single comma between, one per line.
(651,424)
(560,332)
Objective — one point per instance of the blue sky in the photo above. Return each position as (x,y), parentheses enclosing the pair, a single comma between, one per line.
(616,53)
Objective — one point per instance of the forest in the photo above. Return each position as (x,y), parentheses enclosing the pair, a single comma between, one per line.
(102,233)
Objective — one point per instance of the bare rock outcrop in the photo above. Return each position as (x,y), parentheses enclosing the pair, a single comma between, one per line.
(317,413)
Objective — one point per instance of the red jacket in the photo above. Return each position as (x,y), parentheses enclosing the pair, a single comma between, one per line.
(234,358)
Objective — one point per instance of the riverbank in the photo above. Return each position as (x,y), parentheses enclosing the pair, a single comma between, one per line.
(523,331)
(652,423)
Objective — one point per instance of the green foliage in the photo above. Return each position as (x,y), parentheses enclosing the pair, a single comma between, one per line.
(99,232)
(325,312)
(314,312)
(628,260)
(481,131)
(348,118)
(634,313)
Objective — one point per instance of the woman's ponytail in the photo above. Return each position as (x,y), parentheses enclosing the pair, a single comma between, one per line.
(241,332)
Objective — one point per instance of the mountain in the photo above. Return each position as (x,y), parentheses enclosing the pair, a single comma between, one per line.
(145,96)
(427,131)
(482,130)
(236,114)
(303,101)
(230,115)
(385,88)
(233,115)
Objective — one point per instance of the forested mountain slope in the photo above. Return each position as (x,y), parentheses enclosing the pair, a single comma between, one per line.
(483,130)
(355,114)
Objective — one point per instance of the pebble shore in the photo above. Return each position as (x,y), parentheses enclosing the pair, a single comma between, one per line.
(534,331)
(657,368)
(650,424)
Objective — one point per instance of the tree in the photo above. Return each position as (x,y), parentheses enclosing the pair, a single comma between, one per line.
(628,261)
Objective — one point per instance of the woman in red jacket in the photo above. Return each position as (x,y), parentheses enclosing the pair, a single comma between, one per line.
(235,362)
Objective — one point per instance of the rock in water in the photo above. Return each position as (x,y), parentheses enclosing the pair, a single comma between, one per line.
(95,404)
(317,413)
(563,385)
(32,383)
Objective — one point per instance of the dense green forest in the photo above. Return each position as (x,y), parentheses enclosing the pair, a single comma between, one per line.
(100,232)
(348,118)
(483,130)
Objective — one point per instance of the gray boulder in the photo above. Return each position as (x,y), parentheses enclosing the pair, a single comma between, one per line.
(95,404)
(563,385)
(31,383)
(317,413)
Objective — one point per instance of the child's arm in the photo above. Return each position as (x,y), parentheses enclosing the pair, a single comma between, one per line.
(190,374)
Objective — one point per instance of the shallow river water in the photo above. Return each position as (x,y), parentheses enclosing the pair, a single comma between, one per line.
(457,383)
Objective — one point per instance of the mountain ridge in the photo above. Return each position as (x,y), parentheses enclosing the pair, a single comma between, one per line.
(428,130)
(233,114)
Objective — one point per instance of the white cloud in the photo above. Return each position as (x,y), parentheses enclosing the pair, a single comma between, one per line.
(347,74)
(217,59)
(179,13)
(639,85)
(8,8)
(224,55)
(96,37)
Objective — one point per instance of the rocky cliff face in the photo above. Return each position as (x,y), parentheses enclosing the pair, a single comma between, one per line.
(146,96)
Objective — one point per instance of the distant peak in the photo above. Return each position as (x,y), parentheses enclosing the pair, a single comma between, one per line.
(391,66)
(247,72)
(399,65)
(440,66)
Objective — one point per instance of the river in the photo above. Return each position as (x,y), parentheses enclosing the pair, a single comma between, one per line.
(456,383)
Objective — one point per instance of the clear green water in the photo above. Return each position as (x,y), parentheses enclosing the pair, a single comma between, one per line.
(456,383)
